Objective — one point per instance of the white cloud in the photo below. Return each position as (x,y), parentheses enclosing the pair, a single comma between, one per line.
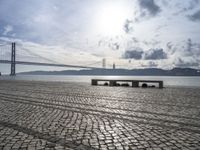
(7,29)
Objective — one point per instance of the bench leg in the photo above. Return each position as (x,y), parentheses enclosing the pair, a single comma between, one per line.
(112,83)
(135,84)
(161,85)
(94,82)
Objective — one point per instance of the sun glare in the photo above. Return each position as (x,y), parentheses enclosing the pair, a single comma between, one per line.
(110,19)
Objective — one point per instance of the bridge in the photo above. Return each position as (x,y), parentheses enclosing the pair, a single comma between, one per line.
(10,49)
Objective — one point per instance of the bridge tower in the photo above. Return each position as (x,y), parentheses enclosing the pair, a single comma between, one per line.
(13,59)
(114,66)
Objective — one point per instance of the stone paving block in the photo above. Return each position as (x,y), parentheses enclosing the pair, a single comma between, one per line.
(46,115)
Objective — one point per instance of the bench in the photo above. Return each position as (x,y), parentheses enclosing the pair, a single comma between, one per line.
(135,83)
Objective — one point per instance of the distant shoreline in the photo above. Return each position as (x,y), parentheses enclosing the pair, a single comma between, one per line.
(121,72)
(102,75)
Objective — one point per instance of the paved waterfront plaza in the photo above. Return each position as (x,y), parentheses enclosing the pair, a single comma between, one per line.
(53,115)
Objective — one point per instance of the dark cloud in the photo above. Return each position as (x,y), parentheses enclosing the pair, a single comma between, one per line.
(155,54)
(149,5)
(133,54)
(195,16)
(138,54)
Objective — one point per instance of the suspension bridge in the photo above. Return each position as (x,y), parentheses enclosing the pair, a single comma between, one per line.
(8,55)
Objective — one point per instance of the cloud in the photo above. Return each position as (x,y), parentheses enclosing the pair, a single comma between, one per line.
(186,6)
(186,62)
(135,53)
(190,48)
(139,54)
(169,45)
(135,40)
(7,29)
(151,43)
(192,4)
(128,26)
(150,6)
(195,16)
(186,54)
(146,10)
(171,48)
(189,45)
(155,54)
(115,46)
(109,43)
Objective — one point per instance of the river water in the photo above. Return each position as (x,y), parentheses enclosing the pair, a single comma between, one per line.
(180,81)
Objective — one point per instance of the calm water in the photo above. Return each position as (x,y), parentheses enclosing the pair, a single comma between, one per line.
(168,80)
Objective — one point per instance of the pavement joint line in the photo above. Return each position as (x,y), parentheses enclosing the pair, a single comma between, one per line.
(110,115)
(144,112)
(139,117)
(118,99)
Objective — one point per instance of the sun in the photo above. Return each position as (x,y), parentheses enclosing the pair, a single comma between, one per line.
(110,18)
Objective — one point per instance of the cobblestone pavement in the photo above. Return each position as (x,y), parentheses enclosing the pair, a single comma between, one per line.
(53,115)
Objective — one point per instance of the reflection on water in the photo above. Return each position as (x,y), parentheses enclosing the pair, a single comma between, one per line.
(168,80)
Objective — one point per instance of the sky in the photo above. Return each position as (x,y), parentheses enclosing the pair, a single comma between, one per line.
(130,33)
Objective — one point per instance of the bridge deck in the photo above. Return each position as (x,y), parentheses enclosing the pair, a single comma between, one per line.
(46,64)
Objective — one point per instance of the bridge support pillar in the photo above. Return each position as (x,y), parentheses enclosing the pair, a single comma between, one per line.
(13,59)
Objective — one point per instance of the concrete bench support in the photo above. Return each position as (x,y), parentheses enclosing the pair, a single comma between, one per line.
(161,84)
(112,83)
(135,84)
(94,82)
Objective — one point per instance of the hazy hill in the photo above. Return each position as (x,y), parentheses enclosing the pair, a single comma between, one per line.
(125,72)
